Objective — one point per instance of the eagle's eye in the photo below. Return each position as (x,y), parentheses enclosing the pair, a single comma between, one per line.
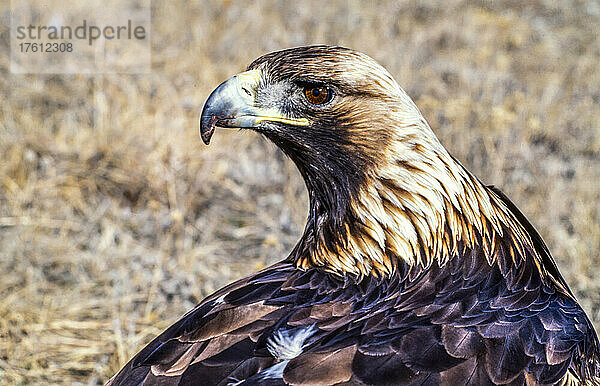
(318,95)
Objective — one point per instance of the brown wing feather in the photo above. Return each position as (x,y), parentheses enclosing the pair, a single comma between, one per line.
(321,368)
(463,323)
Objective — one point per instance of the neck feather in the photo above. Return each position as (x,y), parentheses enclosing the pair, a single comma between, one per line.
(421,207)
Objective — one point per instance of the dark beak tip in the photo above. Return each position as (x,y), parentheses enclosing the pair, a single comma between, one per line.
(206,139)
(207,128)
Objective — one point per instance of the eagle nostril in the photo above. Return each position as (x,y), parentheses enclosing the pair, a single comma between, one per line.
(247,91)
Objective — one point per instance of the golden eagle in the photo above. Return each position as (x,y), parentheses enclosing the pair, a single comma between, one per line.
(409,271)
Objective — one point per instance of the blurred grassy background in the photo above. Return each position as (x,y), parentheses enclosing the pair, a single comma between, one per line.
(115,219)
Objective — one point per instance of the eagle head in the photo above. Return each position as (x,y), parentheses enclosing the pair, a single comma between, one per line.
(328,108)
(382,188)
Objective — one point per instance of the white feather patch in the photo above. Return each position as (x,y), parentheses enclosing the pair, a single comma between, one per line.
(288,344)
(274,372)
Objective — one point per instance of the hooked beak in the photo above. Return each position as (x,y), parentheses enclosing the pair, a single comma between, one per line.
(233,105)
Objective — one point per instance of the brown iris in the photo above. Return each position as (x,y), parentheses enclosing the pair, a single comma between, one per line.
(317,95)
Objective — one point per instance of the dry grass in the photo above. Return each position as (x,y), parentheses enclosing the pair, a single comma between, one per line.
(115,219)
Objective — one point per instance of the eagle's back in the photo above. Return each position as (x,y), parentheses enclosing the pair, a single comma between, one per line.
(464,323)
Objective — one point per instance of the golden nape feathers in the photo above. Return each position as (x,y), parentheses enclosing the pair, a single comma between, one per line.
(409,271)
